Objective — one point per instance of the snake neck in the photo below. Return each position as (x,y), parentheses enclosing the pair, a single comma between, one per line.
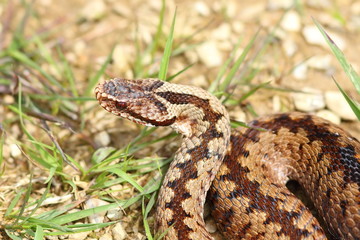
(206,135)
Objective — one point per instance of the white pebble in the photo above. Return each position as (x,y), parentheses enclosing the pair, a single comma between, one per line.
(291,22)
(321,62)
(94,10)
(115,214)
(223,32)
(102,139)
(300,71)
(279,4)
(313,36)
(119,232)
(78,236)
(309,100)
(201,8)
(336,102)
(209,54)
(14,150)
(329,115)
(289,46)
(106,236)
(92,203)
(210,225)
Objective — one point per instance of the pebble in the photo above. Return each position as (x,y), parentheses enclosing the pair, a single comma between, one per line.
(201,8)
(291,22)
(102,139)
(106,236)
(56,199)
(320,4)
(120,57)
(300,71)
(118,232)
(329,115)
(223,32)
(210,226)
(289,46)
(94,10)
(309,100)
(279,4)
(115,214)
(313,36)
(209,54)
(320,62)
(122,10)
(238,114)
(92,203)
(78,236)
(336,102)
(14,150)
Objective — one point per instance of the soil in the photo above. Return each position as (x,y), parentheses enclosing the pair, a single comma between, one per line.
(206,32)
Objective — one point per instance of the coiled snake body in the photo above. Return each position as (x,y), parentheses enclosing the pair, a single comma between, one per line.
(245,170)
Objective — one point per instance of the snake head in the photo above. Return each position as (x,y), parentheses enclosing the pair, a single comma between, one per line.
(134,100)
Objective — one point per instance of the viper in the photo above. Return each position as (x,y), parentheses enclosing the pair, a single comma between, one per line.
(244,171)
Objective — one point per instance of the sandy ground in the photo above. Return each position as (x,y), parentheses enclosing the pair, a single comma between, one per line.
(206,32)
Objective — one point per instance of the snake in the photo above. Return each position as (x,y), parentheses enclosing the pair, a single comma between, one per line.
(243,172)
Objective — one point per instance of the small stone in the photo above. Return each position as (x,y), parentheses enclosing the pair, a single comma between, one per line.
(313,36)
(320,4)
(291,21)
(231,9)
(210,225)
(289,46)
(279,4)
(106,236)
(238,27)
(201,8)
(209,54)
(8,99)
(102,139)
(92,203)
(336,102)
(238,114)
(115,214)
(119,232)
(94,10)
(321,62)
(14,150)
(309,100)
(122,10)
(251,12)
(120,57)
(300,71)
(223,32)
(78,236)
(329,115)
(56,199)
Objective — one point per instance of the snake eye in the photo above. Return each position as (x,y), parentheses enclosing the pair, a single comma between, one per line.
(120,105)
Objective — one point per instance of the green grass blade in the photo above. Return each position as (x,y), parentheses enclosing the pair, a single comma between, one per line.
(95,79)
(2,141)
(237,64)
(154,45)
(146,211)
(167,51)
(354,106)
(69,75)
(21,57)
(127,178)
(39,234)
(348,69)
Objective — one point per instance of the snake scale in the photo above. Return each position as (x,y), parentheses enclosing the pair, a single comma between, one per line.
(244,171)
